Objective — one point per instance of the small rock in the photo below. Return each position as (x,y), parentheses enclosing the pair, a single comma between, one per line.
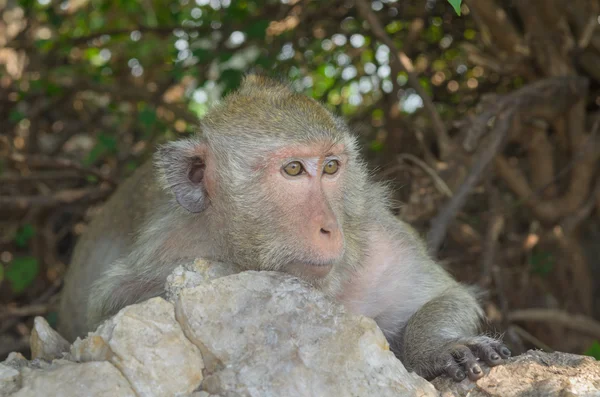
(92,348)
(150,349)
(16,360)
(196,273)
(46,343)
(68,379)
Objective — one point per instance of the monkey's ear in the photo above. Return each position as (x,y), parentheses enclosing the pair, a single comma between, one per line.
(182,164)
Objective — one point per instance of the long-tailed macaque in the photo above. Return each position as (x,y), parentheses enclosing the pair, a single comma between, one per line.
(274,182)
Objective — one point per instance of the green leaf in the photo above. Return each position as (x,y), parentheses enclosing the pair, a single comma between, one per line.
(147,117)
(203,55)
(542,262)
(131,166)
(22,272)
(23,235)
(15,116)
(456,5)
(105,144)
(594,350)
(231,79)
(258,29)
(224,56)
(108,142)
(376,146)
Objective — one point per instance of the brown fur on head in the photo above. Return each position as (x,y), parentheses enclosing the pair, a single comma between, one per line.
(245,142)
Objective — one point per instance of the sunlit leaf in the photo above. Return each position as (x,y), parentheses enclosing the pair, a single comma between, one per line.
(22,272)
(456,5)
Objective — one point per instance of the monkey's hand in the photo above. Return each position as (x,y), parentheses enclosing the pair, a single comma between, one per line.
(460,359)
(441,338)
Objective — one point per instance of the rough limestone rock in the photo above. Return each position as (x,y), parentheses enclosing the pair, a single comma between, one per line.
(224,333)
(147,345)
(10,380)
(45,342)
(533,374)
(199,272)
(67,379)
(270,334)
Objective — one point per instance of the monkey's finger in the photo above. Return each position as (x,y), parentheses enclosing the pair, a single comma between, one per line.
(454,370)
(464,356)
(487,353)
(502,350)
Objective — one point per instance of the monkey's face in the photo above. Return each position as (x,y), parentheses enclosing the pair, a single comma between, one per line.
(305,195)
(289,209)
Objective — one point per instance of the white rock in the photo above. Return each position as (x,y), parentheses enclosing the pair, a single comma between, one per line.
(74,380)
(196,273)
(150,349)
(10,380)
(269,334)
(45,342)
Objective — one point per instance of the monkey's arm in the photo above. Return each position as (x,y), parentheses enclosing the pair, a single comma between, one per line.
(431,321)
(442,337)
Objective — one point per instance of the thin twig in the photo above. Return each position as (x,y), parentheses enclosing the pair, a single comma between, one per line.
(39,161)
(63,197)
(439,224)
(576,322)
(521,332)
(439,128)
(437,181)
(26,311)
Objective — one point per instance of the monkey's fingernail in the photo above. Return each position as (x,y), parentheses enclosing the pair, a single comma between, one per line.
(506,352)
(494,357)
(476,370)
(460,375)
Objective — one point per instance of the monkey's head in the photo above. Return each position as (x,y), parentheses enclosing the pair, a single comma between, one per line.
(277,173)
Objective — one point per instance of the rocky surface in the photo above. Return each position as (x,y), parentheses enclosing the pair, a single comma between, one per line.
(534,374)
(301,342)
(219,332)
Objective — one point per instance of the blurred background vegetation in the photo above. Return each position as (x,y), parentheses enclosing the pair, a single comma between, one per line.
(486,120)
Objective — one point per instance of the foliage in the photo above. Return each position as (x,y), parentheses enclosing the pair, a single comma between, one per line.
(22,272)
(594,350)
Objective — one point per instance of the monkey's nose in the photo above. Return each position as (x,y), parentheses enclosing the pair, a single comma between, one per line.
(325,231)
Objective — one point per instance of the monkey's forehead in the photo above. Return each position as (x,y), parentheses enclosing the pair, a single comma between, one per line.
(273,113)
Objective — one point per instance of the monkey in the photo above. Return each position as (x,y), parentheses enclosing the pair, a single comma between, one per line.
(274,181)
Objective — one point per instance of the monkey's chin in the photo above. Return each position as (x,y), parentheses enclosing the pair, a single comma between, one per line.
(309,270)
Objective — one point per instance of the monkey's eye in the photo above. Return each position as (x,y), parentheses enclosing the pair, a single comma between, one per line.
(331,167)
(294,168)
